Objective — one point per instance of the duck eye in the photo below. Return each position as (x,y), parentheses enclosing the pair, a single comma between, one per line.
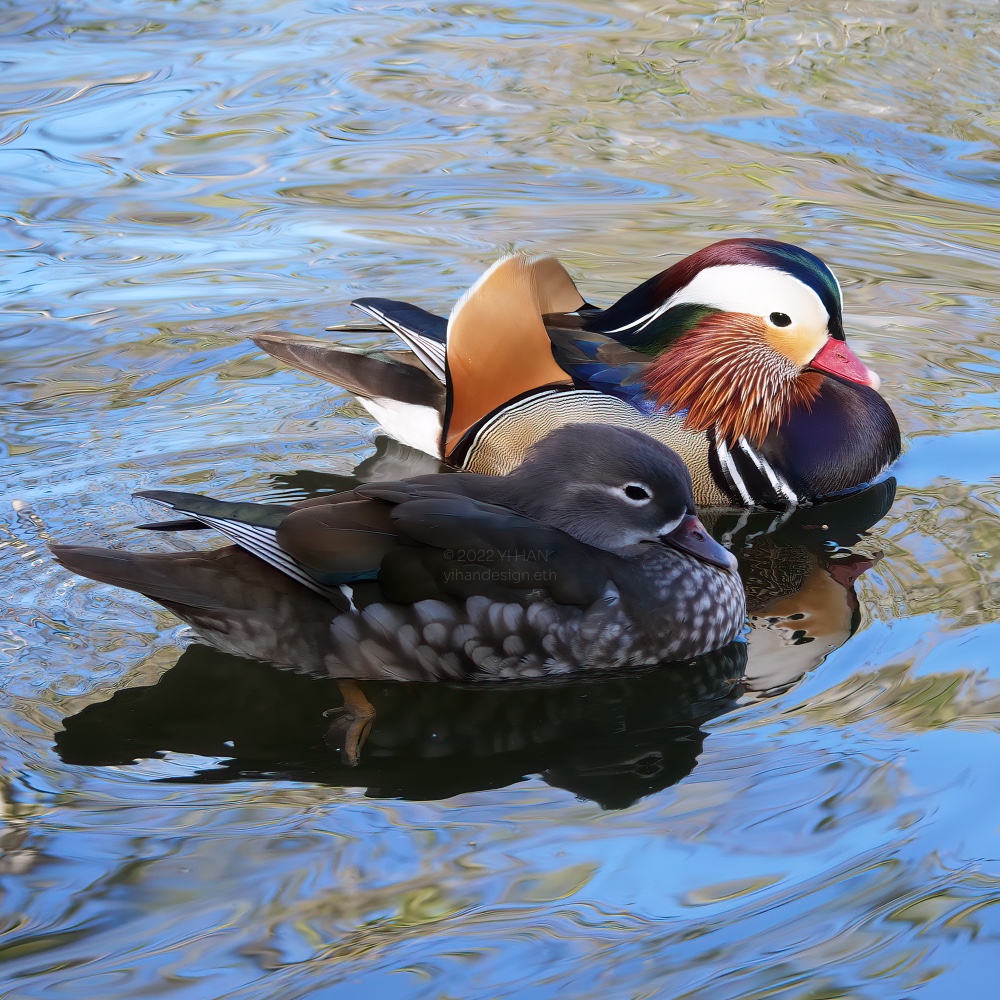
(636,492)
(780,319)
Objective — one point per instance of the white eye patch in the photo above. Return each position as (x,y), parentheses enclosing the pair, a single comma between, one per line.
(635,494)
(747,288)
(759,291)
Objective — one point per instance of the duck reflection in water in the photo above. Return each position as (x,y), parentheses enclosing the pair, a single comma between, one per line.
(799,572)
(610,739)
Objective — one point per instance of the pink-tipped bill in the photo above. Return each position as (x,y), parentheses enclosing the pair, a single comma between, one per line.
(837,358)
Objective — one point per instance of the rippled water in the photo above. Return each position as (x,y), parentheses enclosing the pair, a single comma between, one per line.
(178,174)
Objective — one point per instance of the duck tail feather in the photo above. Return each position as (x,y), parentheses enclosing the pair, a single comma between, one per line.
(366,374)
(264,515)
(179,577)
(193,585)
(251,526)
(398,391)
(179,524)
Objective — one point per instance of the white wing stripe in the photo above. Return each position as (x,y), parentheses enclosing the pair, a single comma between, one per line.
(431,352)
(777,481)
(260,542)
(727,460)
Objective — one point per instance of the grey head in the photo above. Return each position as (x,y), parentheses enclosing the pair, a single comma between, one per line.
(612,488)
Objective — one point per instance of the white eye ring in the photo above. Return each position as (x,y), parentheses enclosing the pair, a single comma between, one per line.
(636,494)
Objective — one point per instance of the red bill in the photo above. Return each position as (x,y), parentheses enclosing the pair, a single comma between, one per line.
(837,358)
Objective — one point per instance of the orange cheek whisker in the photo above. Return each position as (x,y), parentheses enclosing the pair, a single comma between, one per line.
(726,376)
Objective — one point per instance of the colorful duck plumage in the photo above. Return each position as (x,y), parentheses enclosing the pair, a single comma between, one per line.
(735,357)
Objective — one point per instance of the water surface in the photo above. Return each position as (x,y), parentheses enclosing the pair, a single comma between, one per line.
(177,175)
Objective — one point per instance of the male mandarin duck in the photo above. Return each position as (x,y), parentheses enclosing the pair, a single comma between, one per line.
(587,555)
(735,357)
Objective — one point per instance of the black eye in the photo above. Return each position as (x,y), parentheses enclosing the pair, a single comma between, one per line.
(780,319)
(634,492)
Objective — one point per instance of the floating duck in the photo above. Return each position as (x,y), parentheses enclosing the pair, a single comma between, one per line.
(587,555)
(796,571)
(735,357)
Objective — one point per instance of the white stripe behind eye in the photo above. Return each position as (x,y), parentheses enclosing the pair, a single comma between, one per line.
(754,289)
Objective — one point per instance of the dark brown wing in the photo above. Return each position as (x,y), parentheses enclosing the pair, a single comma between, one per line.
(421,543)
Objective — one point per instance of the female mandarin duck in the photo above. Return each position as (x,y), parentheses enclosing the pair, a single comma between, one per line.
(586,555)
(735,357)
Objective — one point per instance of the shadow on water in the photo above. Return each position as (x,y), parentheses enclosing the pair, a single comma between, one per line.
(610,739)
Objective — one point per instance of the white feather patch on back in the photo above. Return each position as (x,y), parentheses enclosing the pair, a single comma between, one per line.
(415,426)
